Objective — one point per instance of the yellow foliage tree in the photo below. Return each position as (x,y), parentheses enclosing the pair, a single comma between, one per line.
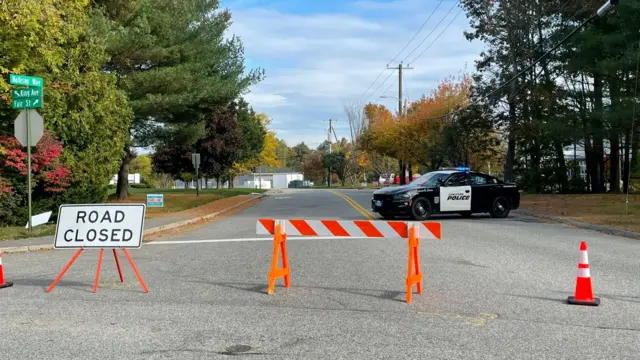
(268,156)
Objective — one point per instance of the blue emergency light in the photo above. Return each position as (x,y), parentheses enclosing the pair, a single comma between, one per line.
(464,169)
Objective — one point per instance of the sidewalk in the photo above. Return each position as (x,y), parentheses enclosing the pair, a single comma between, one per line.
(151,226)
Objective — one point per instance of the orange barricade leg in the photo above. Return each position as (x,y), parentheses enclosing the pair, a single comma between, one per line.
(414,276)
(279,243)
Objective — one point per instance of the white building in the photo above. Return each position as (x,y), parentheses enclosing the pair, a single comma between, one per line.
(133,179)
(267,178)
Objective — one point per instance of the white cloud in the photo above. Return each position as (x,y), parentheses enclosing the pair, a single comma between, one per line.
(265,100)
(317,63)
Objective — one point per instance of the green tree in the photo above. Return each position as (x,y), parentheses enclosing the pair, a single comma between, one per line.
(580,94)
(298,153)
(337,162)
(253,137)
(142,165)
(222,144)
(175,65)
(82,105)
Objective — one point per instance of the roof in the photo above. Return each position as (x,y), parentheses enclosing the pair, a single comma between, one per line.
(274,170)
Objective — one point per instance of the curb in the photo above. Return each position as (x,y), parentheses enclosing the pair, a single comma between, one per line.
(151,231)
(599,228)
(174,225)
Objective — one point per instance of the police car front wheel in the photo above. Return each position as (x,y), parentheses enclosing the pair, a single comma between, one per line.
(421,209)
(500,207)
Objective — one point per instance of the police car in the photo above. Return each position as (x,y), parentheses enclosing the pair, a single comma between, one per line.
(447,191)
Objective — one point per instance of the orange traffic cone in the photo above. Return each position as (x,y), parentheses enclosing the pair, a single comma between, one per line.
(2,283)
(584,292)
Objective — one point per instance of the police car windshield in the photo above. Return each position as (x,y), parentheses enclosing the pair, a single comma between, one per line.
(430,178)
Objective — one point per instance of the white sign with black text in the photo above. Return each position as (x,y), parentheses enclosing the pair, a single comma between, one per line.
(100,226)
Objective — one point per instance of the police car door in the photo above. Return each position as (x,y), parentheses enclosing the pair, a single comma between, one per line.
(455,193)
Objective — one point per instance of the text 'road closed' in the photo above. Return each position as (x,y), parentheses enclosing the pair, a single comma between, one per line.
(100,226)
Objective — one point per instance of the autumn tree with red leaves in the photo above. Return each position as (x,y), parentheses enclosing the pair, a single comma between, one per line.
(48,174)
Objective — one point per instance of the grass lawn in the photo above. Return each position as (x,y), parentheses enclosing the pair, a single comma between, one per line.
(19,232)
(599,209)
(176,200)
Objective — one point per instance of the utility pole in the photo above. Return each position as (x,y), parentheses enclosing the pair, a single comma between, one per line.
(400,67)
(330,151)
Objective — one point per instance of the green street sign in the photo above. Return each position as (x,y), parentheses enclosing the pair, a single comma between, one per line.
(26,103)
(26,93)
(31,81)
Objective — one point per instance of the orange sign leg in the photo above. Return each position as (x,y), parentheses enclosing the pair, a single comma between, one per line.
(279,243)
(64,270)
(135,271)
(115,255)
(97,281)
(414,275)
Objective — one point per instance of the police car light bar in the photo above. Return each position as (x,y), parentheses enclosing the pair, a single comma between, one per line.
(457,168)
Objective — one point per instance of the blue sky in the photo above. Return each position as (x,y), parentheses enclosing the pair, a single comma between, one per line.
(322,55)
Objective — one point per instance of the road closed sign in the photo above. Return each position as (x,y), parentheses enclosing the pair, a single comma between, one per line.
(100,226)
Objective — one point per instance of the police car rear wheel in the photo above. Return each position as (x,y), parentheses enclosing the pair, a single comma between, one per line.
(421,209)
(500,208)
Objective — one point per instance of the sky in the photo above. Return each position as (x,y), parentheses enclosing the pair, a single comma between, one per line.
(320,56)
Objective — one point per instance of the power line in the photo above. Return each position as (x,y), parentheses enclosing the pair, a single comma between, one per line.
(601,12)
(437,37)
(434,29)
(390,86)
(542,41)
(376,90)
(374,81)
(417,32)
(400,52)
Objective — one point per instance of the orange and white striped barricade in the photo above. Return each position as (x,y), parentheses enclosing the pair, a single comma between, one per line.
(413,231)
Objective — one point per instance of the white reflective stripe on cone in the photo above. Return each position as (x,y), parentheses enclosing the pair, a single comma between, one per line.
(584,273)
(584,258)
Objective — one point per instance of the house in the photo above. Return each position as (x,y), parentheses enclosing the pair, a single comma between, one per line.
(267,177)
(133,179)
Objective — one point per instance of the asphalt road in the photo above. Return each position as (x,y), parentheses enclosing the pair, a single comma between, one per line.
(493,289)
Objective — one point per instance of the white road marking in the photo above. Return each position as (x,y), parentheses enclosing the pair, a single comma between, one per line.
(171,242)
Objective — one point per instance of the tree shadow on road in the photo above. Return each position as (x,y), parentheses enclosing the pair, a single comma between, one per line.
(263,287)
(75,285)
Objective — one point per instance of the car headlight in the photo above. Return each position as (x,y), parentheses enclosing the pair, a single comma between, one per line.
(405,196)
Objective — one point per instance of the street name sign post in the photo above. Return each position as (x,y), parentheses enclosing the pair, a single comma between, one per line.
(26,99)
(29,81)
(100,226)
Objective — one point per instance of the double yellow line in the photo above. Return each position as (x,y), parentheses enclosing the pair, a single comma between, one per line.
(366,213)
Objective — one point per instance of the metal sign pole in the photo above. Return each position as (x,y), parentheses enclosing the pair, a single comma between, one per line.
(28,110)
(197,183)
